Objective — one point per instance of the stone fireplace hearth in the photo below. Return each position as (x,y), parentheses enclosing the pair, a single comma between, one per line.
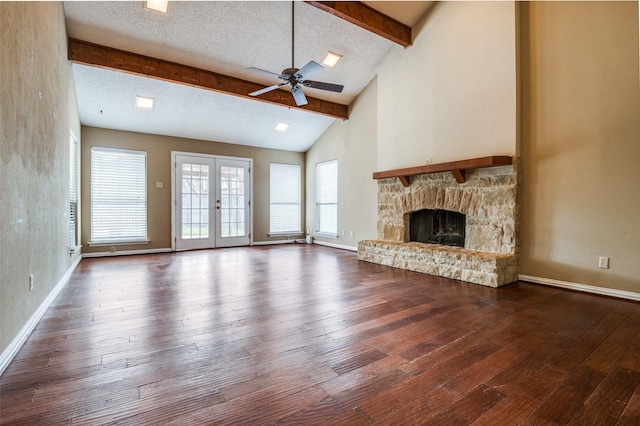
(489,200)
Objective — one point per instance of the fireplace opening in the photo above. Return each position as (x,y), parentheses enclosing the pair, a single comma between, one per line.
(437,227)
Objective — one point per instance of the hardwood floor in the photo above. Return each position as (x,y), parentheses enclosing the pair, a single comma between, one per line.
(301,335)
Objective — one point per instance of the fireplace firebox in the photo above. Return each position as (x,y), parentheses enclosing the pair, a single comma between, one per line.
(437,227)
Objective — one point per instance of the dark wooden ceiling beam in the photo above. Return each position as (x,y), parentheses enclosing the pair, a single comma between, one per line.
(82,52)
(368,18)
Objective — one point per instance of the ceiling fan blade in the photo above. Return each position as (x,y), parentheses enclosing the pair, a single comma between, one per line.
(261,71)
(266,89)
(311,68)
(323,86)
(298,95)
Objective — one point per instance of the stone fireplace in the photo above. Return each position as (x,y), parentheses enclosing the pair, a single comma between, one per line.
(488,200)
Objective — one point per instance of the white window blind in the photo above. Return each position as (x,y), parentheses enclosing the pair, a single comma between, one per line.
(118,195)
(73,193)
(285,198)
(327,197)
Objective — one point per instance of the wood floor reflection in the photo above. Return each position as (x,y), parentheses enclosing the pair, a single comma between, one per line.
(299,334)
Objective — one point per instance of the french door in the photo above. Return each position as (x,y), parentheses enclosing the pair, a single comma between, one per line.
(211,200)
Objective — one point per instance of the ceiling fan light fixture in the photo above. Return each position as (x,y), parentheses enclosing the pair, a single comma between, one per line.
(144,102)
(157,5)
(281,127)
(331,59)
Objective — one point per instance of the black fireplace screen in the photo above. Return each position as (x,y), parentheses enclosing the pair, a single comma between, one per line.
(437,227)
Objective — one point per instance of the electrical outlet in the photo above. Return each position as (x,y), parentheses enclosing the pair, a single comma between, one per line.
(351,234)
(343,232)
(112,249)
(30,282)
(603,262)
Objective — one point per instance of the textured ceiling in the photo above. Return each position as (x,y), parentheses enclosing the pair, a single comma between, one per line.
(225,37)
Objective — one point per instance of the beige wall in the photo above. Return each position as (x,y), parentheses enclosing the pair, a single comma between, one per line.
(563,95)
(353,144)
(34,158)
(452,94)
(581,142)
(158,150)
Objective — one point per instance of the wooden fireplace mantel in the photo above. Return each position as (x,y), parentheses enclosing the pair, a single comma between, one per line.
(457,168)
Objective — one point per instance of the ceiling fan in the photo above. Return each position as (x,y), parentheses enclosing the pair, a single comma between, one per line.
(296,78)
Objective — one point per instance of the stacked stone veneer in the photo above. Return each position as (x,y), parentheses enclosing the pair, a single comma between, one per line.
(489,199)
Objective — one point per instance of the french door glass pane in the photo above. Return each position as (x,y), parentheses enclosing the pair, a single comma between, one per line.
(232,201)
(195,204)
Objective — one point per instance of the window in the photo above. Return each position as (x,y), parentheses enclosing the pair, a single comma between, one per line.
(327,197)
(118,196)
(285,199)
(73,193)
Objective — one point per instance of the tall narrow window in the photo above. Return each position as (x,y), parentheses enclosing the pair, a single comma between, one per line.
(285,199)
(73,193)
(118,195)
(327,197)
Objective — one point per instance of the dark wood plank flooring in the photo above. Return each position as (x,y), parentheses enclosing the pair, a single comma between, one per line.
(302,335)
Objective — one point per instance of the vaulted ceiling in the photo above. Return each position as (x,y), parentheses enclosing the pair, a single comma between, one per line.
(218,40)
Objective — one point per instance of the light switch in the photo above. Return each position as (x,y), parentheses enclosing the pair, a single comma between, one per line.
(159,185)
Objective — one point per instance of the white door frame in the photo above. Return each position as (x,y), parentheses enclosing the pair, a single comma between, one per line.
(173,189)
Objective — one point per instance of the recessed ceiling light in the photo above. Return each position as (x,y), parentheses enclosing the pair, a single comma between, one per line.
(142,102)
(157,5)
(281,127)
(331,59)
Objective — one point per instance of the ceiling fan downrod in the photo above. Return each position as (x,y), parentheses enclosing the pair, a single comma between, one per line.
(294,77)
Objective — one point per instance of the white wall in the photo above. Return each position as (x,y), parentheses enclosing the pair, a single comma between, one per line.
(452,95)
(353,144)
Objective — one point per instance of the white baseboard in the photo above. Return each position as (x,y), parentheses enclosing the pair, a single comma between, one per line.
(582,287)
(127,252)
(10,351)
(338,246)
(268,243)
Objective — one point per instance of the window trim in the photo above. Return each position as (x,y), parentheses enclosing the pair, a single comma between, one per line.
(74,181)
(118,243)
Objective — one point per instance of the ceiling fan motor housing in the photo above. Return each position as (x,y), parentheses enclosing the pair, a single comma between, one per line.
(295,77)
(289,75)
